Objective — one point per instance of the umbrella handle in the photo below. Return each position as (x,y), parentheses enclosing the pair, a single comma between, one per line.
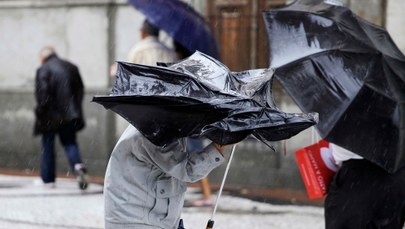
(181,224)
(210,223)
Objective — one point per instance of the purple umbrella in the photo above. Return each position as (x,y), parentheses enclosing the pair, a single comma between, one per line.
(181,22)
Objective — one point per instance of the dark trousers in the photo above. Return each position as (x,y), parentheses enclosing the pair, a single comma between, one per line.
(67,136)
(364,196)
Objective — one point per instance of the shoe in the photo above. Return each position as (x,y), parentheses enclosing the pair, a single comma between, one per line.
(50,185)
(203,202)
(40,183)
(82,178)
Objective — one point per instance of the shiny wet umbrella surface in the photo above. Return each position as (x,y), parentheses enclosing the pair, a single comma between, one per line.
(199,96)
(348,70)
(181,22)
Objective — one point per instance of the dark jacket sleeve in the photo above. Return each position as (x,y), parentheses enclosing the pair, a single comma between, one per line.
(78,85)
(42,89)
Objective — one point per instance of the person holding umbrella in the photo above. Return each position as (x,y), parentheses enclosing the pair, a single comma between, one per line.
(145,184)
(351,72)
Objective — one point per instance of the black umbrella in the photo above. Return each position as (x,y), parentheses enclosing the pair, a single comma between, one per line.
(348,70)
(200,96)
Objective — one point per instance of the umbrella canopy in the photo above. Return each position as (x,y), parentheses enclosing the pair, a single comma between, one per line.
(348,70)
(200,96)
(181,22)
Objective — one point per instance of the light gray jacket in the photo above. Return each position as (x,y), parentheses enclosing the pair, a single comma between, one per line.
(145,184)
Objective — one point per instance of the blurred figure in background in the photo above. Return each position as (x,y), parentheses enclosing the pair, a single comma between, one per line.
(59,93)
(150,50)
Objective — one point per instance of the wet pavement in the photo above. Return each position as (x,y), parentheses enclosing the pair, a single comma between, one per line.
(27,204)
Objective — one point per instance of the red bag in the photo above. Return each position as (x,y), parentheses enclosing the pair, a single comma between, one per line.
(316,168)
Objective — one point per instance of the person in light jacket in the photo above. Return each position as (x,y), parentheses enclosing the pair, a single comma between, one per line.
(145,184)
(149,50)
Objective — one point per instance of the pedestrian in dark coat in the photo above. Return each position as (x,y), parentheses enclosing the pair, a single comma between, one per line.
(59,93)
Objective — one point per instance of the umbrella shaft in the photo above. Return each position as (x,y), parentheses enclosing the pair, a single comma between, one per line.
(222,185)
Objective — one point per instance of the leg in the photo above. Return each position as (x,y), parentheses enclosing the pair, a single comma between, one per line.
(67,136)
(73,155)
(195,145)
(48,165)
(205,187)
(206,200)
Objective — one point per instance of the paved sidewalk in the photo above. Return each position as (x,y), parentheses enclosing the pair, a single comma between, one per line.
(26,204)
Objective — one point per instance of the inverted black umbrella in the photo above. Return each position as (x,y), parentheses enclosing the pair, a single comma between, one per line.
(200,96)
(348,70)
(181,22)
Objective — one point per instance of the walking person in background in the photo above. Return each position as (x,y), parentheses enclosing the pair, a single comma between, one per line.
(59,93)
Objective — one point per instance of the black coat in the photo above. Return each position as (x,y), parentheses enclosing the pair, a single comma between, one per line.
(59,93)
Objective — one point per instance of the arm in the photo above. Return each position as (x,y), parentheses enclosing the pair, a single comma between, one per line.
(42,89)
(77,85)
(219,147)
(174,161)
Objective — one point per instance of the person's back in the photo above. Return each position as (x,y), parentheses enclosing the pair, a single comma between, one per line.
(65,88)
(150,50)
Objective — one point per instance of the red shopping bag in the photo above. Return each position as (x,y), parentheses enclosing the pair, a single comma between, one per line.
(316,168)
